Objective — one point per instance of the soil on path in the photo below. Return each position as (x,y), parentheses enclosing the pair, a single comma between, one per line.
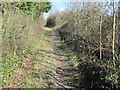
(59,76)
(60,64)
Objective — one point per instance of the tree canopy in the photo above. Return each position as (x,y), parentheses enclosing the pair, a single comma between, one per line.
(34,8)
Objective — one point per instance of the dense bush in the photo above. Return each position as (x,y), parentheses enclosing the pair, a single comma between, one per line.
(86,28)
(21,25)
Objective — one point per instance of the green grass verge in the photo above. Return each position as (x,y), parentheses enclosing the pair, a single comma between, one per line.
(42,68)
(40,71)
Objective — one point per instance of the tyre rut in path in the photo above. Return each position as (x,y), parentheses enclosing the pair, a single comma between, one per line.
(59,76)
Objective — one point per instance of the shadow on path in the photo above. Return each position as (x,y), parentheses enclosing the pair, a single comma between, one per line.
(60,63)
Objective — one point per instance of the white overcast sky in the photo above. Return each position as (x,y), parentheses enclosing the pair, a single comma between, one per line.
(56,6)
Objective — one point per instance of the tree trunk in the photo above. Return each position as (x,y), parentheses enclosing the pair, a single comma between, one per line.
(100,38)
